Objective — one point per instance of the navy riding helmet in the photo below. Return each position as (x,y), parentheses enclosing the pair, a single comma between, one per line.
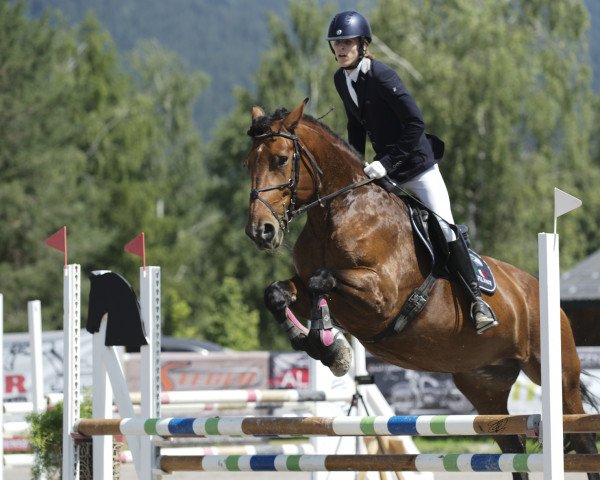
(350,24)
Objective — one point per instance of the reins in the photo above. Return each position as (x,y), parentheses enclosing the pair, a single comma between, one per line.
(347,188)
(315,172)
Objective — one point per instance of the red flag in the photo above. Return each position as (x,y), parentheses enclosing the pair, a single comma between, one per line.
(137,247)
(58,240)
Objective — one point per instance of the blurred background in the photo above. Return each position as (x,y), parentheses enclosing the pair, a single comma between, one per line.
(118,117)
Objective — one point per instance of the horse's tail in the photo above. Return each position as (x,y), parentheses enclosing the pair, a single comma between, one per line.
(589,398)
(586,395)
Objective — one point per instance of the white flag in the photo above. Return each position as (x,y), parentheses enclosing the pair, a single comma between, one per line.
(564,203)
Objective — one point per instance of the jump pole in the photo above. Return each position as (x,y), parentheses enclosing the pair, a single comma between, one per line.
(483,462)
(340,426)
(550,339)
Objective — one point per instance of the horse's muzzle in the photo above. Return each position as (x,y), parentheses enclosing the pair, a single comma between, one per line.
(266,235)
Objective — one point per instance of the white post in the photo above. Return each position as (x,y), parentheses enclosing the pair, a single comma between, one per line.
(102,396)
(150,364)
(71,364)
(550,337)
(34,317)
(2,382)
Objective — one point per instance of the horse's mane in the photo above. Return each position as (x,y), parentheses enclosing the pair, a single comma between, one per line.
(262,126)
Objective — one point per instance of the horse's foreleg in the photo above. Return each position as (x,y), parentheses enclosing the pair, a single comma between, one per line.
(336,352)
(279,296)
(331,348)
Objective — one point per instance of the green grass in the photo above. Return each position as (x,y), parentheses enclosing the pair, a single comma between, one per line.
(458,444)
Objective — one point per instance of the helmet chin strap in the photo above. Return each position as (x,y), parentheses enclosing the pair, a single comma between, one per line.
(353,67)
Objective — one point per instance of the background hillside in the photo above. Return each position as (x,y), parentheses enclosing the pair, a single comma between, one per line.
(593,7)
(223,39)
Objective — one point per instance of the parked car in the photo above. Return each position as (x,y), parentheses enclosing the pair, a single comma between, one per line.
(175,344)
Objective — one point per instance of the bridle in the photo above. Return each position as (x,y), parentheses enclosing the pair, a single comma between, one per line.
(315,172)
(300,153)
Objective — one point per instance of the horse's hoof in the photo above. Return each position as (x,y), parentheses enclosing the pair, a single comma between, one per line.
(339,356)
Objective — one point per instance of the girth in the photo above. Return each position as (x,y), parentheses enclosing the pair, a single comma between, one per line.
(413,305)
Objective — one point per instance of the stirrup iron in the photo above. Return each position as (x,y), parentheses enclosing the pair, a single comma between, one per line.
(484,327)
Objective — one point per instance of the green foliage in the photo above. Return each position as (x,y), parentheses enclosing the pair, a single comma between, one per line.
(507,86)
(228,252)
(45,437)
(89,145)
(229,321)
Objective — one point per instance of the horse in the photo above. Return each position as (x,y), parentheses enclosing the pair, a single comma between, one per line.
(357,260)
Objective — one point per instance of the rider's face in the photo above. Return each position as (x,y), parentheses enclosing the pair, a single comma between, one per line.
(346,51)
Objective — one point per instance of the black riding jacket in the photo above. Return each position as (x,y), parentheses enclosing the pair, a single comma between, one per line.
(389,116)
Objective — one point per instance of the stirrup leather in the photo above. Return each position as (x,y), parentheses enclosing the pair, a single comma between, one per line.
(481,307)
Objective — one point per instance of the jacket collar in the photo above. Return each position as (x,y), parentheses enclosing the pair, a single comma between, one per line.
(359,75)
(361,69)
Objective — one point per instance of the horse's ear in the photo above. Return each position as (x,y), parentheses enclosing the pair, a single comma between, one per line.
(291,121)
(257,112)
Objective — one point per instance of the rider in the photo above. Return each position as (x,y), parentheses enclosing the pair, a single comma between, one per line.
(379,106)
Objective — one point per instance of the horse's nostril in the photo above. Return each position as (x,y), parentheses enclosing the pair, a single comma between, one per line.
(267,231)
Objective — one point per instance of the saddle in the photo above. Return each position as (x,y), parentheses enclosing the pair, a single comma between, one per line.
(428,232)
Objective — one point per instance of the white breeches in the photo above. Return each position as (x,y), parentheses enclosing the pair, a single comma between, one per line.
(429,188)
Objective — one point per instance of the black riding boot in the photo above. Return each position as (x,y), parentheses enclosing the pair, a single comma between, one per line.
(481,313)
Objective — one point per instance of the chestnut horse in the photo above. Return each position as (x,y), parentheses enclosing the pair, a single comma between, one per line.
(356,260)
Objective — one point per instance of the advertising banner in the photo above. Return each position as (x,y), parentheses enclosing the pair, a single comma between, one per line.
(408,392)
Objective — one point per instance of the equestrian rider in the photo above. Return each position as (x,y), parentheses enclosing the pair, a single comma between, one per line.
(379,106)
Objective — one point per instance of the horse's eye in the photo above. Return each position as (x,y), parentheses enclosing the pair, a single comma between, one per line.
(282,160)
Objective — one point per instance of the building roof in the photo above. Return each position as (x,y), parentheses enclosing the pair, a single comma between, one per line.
(582,283)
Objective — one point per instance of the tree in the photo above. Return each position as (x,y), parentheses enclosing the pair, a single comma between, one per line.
(39,164)
(507,86)
(83,144)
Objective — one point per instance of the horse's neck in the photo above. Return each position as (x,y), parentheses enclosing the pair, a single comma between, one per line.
(339,166)
(342,168)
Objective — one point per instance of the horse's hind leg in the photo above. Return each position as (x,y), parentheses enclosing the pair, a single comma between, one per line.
(572,391)
(488,389)
(572,403)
